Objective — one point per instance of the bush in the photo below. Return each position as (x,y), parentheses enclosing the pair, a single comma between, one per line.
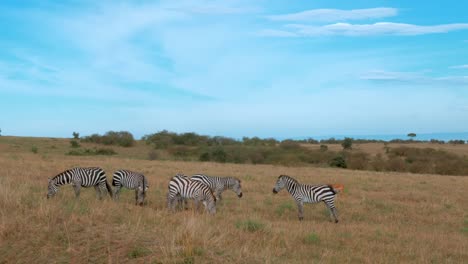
(457,142)
(338,161)
(153,155)
(205,156)
(76,135)
(219,155)
(34,149)
(121,138)
(289,144)
(347,143)
(74,144)
(357,161)
(323,148)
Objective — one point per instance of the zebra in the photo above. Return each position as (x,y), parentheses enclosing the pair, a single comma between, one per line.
(80,177)
(181,186)
(303,193)
(131,180)
(220,184)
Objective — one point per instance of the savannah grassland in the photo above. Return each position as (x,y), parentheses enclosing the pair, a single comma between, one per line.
(384,217)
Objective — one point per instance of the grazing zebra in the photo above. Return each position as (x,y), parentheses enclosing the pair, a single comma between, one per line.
(130,180)
(181,186)
(80,177)
(303,193)
(220,184)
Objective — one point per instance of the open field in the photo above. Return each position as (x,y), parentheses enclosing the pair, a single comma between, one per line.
(384,217)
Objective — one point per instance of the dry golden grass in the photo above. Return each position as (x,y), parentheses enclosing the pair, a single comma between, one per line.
(384,217)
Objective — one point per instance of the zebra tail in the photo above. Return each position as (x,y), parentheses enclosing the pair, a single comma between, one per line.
(109,189)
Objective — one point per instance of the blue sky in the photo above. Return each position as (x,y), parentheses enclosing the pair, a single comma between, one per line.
(233,68)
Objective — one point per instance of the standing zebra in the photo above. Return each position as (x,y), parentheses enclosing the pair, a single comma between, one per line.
(220,184)
(130,180)
(80,177)
(303,193)
(181,186)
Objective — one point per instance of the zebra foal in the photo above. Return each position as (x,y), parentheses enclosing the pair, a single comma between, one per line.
(130,180)
(303,193)
(182,187)
(80,177)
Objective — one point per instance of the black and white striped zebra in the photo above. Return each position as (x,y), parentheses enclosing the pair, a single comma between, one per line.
(130,180)
(80,177)
(219,184)
(303,193)
(181,186)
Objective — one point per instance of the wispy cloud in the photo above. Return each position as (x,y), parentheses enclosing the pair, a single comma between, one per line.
(465,66)
(346,29)
(412,78)
(330,15)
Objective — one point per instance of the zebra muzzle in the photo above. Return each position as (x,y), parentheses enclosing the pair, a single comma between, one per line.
(240,195)
(274,191)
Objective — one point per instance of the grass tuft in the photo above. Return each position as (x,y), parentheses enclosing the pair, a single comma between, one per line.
(250,225)
(312,239)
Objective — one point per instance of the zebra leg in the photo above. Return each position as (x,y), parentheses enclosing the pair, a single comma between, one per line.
(333,212)
(76,188)
(116,193)
(98,191)
(300,209)
(171,201)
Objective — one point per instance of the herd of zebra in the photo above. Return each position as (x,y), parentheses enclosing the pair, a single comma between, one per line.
(199,187)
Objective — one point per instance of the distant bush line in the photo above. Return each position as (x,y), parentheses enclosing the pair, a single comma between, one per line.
(120,138)
(191,146)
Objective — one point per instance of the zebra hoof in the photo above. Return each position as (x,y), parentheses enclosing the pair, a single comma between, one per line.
(301,218)
(336,221)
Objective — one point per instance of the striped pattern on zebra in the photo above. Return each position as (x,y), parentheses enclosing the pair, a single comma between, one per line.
(303,193)
(80,177)
(130,180)
(181,186)
(219,184)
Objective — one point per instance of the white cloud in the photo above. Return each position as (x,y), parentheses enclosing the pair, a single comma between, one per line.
(329,15)
(276,33)
(413,78)
(381,28)
(465,66)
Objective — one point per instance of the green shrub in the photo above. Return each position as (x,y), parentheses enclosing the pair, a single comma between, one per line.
(76,135)
(347,143)
(323,148)
(205,156)
(219,155)
(34,149)
(289,144)
(338,161)
(74,144)
(121,138)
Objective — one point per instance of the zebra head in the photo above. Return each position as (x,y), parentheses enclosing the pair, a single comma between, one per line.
(280,184)
(52,189)
(141,194)
(237,187)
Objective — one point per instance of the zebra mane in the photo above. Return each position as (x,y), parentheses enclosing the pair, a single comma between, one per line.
(288,178)
(60,174)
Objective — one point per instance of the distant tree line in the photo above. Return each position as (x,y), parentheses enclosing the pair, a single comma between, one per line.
(119,138)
